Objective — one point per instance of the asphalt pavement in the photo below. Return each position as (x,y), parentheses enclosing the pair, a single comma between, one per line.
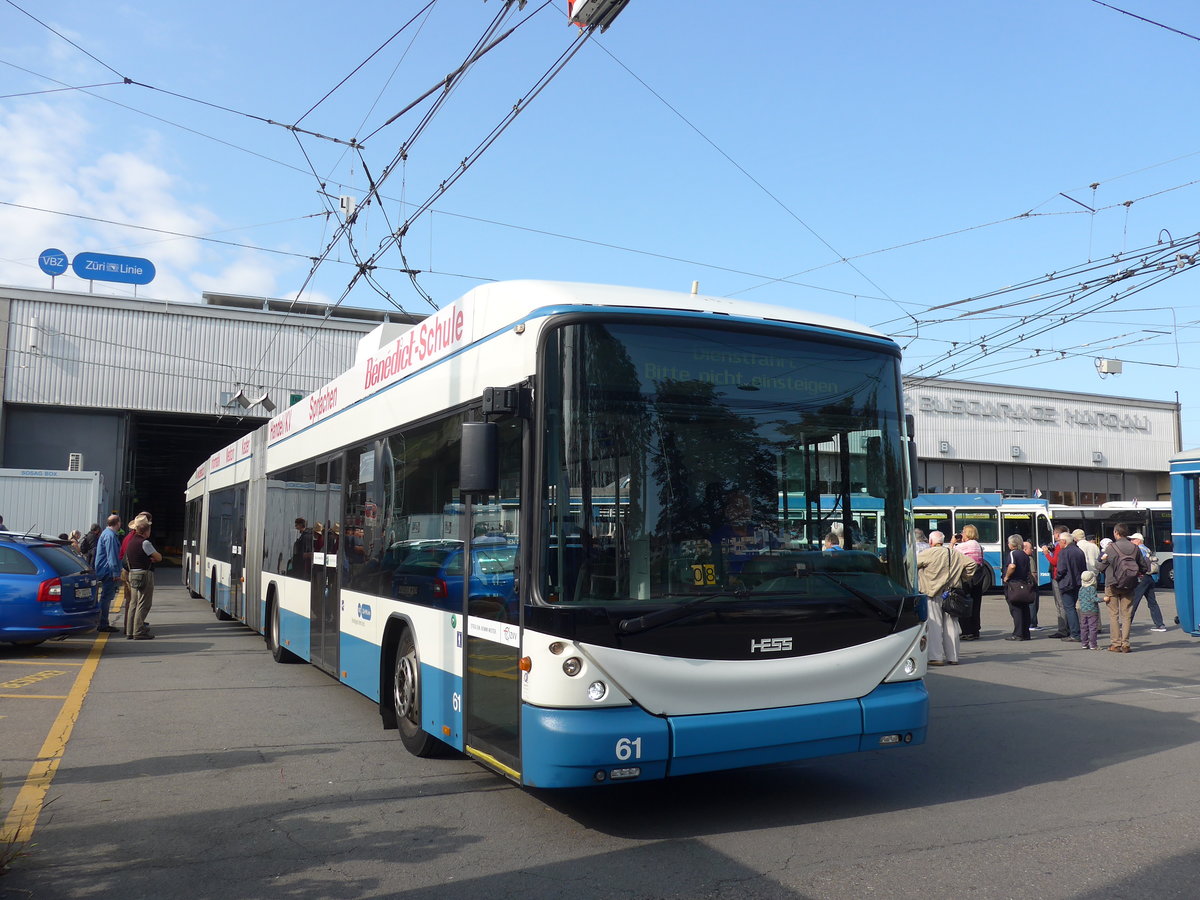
(193,766)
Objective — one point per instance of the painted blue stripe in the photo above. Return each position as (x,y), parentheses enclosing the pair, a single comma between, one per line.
(566,748)
(295,633)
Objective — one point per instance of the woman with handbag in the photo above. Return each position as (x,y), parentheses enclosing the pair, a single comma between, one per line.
(940,569)
(970,546)
(1019,589)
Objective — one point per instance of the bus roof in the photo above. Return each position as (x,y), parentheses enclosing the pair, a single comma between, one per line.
(987,499)
(509,299)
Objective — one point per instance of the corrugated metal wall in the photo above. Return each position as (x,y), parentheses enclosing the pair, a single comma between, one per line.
(158,357)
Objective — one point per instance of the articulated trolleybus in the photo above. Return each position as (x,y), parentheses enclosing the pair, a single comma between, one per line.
(542,527)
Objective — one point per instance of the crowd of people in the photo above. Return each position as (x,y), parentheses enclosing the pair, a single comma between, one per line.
(1080,568)
(122,558)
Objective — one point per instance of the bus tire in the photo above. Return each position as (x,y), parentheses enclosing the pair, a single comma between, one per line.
(221,615)
(279,653)
(1166,575)
(406,698)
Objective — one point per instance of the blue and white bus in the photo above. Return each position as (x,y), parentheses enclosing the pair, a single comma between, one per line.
(1185,538)
(995,517)
(542,527)
(1150,517)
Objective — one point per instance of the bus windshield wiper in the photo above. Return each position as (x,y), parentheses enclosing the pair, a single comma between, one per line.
(878,605)
(668,614)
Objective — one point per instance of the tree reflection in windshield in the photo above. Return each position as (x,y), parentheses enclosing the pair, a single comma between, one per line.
(679,460)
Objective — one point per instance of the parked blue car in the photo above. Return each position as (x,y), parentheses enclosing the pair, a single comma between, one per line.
(431,573)
(46,591)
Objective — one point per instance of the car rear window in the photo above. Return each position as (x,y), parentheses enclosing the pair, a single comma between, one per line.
(14,562)
(424,562)
(63,562)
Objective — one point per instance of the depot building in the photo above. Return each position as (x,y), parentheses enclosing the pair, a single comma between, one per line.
(1074,448)
(142,391)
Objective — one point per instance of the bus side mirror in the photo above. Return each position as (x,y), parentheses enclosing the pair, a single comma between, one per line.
(479,466)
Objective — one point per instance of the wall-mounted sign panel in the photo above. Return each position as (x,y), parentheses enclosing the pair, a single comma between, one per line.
(105,267)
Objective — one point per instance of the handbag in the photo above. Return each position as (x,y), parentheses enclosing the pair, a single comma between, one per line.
(1020,593)
(956,603)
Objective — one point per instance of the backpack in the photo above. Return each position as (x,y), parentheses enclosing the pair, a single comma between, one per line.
(1125,572)
(1154,566)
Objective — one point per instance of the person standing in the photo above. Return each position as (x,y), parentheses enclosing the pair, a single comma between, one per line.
(970,546)
(1145,588)
(1090,551)
(127,590)
(1070,566)
(108,569)
(1050,551)
(1019,587)
(141,556)
(1089,612)
(1122,564)
(88,545)
(939,569)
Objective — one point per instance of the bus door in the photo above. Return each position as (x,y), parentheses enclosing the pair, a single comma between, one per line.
(1030,526)
(490,592)
(325,623)
(237,556)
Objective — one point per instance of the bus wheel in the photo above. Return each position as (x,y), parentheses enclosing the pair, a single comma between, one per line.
(406,695)
(279,653)
(1166,575)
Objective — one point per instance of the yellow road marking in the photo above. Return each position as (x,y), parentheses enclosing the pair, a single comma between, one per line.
(22,818)
(37,662)
(33,697)
(27,680)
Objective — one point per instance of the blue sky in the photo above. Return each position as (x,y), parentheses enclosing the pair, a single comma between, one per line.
(885,162)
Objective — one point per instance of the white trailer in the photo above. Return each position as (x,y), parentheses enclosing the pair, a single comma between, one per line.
(49,501)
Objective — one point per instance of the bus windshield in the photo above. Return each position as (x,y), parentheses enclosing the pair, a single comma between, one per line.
(683,462)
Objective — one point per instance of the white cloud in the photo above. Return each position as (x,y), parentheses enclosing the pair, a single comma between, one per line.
(49,163)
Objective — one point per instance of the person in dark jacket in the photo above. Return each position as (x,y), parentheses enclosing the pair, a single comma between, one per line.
(1068,575)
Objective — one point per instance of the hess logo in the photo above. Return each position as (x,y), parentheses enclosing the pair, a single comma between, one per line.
(771,645)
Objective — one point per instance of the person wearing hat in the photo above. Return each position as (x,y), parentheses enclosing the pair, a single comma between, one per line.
(1069,566)
(1145,587)
(1089,612)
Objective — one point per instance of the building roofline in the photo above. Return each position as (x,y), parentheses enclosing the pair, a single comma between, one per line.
(917,381)
(224,306)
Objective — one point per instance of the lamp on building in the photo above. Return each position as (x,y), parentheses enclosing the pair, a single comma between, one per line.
(241,399)
(267,403)
(1015,451)
(1097,456)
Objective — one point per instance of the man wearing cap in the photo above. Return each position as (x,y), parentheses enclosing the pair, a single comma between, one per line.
(1145,588)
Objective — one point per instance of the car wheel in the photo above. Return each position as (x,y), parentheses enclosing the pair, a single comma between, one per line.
(406,695)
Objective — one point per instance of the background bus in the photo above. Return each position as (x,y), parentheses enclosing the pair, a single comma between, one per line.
(1185,538)
(995,517)
(543,528)
(1152,518)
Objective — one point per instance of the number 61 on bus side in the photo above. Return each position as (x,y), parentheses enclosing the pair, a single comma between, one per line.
(629,748)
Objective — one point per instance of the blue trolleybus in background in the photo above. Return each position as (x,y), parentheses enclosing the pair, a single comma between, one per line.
(544,527)
(995,517)
(1185,537)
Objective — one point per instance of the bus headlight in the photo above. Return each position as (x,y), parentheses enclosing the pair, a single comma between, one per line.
(572,665)
(597,691)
